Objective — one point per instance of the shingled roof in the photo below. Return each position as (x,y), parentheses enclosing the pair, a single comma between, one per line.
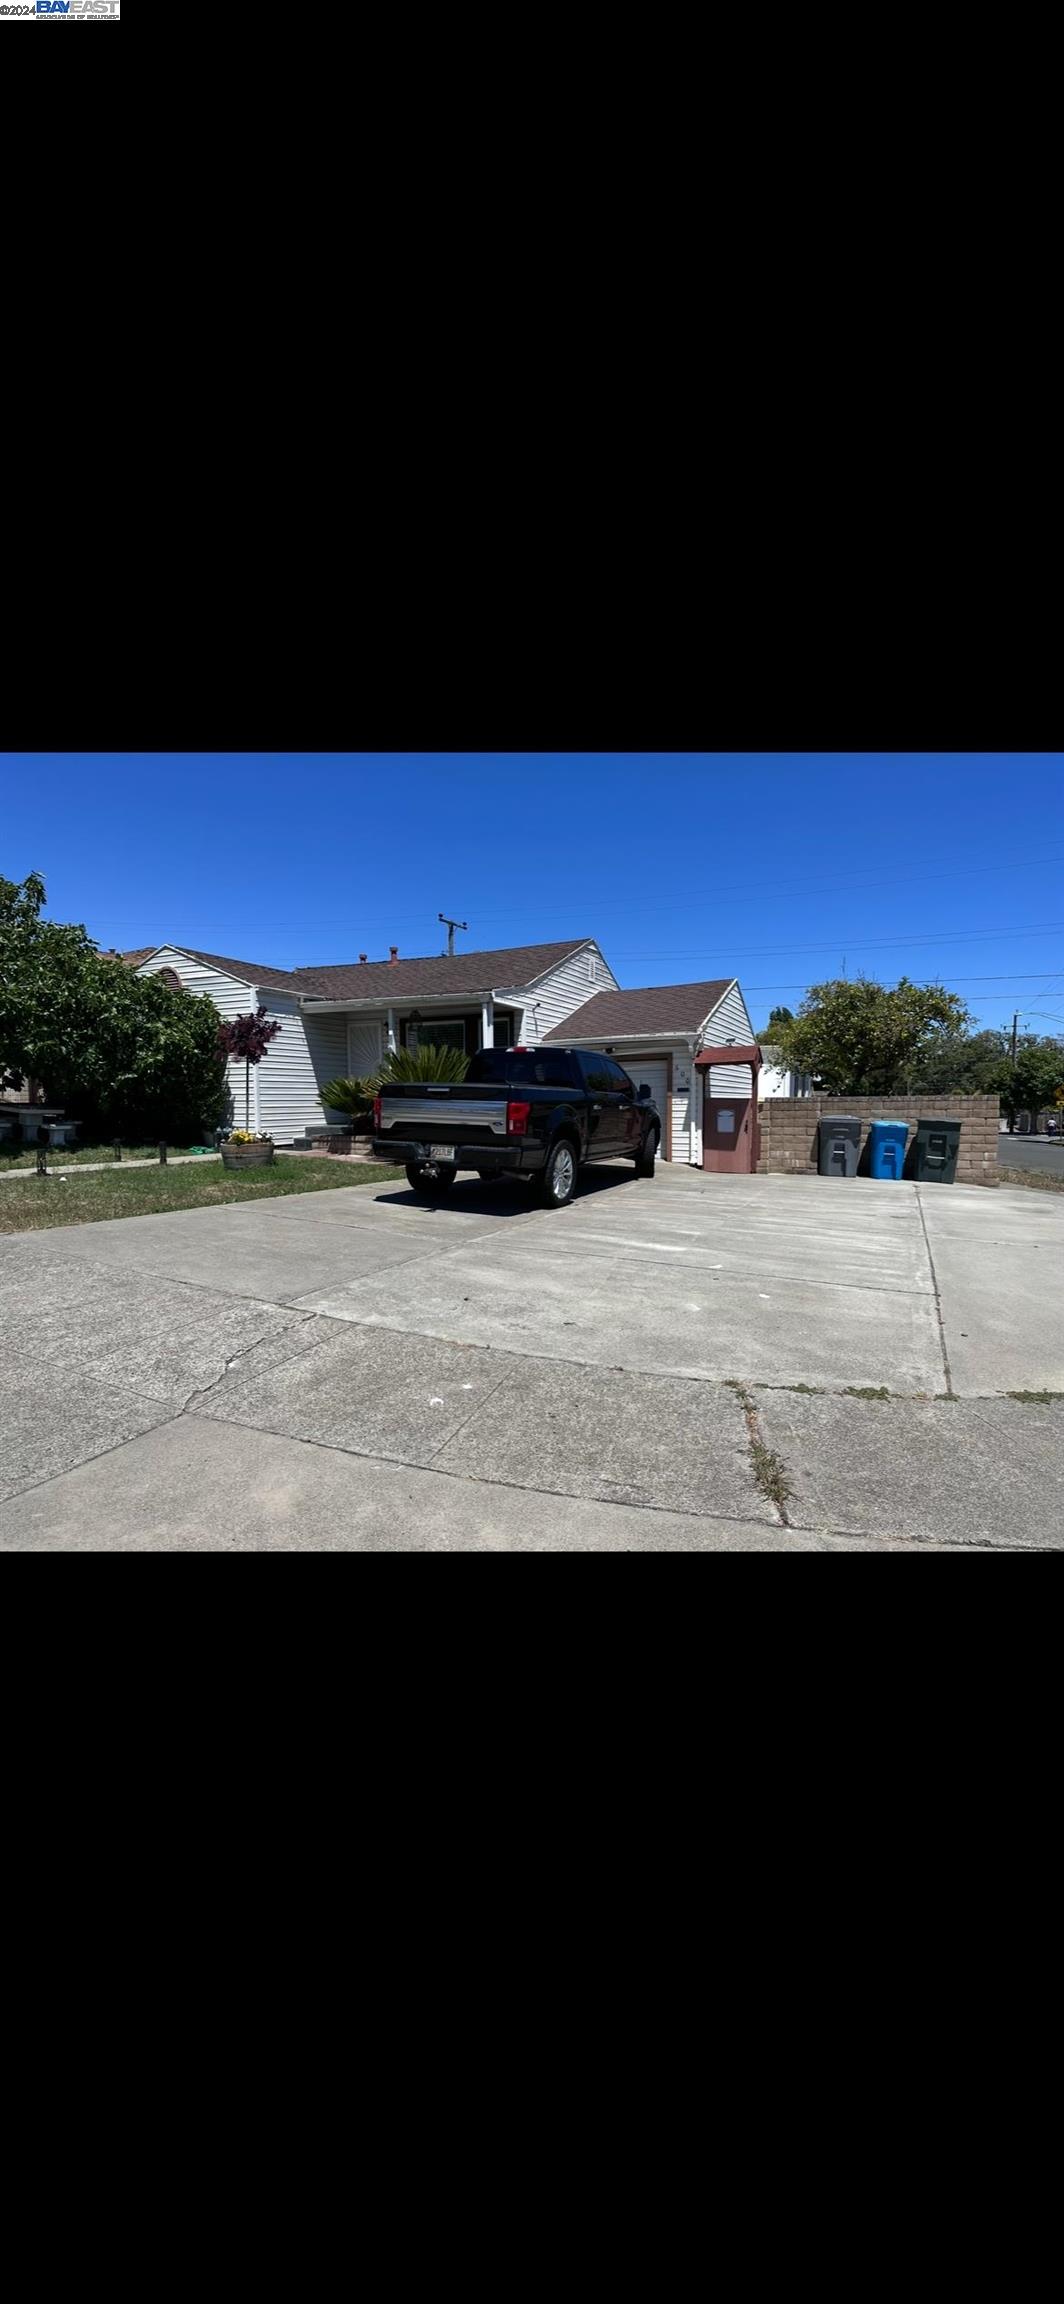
(245,971)
(466,972)
(657,1010)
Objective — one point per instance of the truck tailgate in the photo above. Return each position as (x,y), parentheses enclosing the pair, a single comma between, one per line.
(462,1119)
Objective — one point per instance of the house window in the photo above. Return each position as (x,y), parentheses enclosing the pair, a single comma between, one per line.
(447,1032)
(503,1031)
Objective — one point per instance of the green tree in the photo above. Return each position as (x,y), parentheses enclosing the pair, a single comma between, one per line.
(1030,1085)
(122,1053)
(866,1039)
(776,1022)
(961,1064)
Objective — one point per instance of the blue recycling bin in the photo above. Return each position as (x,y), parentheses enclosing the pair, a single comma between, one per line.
(887,1140)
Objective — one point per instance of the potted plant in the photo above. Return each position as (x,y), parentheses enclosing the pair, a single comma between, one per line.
(243,1149)
(247,1037)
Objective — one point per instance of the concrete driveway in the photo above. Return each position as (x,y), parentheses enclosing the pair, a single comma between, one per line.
(697,1362)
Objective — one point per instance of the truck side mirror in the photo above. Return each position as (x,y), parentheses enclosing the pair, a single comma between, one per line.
(644,1092)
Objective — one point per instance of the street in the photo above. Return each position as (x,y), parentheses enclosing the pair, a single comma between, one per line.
(1032,1152)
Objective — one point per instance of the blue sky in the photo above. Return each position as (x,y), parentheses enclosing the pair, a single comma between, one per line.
(781,869)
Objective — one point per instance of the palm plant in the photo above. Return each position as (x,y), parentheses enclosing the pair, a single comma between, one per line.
(428,1062)
(350,1095)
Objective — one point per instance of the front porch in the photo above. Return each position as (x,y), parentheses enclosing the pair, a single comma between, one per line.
(371,1033)
(323,1040)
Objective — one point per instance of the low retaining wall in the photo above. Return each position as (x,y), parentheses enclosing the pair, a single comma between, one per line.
(789,1130)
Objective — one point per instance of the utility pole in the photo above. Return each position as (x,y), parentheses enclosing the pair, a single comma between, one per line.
(1015,1021)
(450,926)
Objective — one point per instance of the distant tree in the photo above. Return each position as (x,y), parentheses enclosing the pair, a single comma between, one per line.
(246,1039)
(776,1022)
(961,1064)
(865,1039)
(1031,1084)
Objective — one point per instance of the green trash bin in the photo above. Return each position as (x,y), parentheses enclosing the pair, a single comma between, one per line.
(937,1145)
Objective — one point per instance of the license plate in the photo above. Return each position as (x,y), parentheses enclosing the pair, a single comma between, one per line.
(439,1152)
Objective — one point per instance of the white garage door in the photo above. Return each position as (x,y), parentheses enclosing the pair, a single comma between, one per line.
(656,1076)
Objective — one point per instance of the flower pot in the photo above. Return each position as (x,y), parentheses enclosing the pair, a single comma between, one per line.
(247,1155)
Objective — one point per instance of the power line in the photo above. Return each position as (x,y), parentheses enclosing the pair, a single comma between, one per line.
(383,922)
(782,951)
(1033,978)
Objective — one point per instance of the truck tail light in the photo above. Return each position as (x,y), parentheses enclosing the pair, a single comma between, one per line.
(377,1114)
(517,1119)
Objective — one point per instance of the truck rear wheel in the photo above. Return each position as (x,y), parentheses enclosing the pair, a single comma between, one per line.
(644,1165)
(430,1182)
(559,1176)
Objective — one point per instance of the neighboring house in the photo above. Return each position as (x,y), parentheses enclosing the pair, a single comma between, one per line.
(659,1035)
(341,1020)
(774,1080)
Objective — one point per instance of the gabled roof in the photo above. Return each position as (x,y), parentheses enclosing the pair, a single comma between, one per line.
(656,1009)
(245,971)
(512,968)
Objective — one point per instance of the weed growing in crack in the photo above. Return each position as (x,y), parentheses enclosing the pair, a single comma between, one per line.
(770,1473)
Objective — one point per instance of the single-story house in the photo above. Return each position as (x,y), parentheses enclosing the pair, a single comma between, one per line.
(676,1037)
(775,1079)
(337,1021)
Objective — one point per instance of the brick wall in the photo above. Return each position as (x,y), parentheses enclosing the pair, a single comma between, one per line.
(789,1124)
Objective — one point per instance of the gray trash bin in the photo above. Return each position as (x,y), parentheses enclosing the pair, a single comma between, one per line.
(840,1143)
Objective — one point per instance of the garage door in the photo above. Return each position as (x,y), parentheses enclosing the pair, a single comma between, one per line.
(656,1075)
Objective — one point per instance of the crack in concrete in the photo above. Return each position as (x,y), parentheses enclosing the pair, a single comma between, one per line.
(504,1378)
(201,1391)
(768,1467)
(938,1299)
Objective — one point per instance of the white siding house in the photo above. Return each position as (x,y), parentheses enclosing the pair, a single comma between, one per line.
(774,1080)
(341,1020)
(338,1021)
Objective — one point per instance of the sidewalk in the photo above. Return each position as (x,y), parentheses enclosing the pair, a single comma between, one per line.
(96,1167)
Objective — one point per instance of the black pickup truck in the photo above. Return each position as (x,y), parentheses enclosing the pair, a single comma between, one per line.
(532,1112)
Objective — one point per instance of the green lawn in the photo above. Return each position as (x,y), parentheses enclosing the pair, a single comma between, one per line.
(84,1153)
(74,1199)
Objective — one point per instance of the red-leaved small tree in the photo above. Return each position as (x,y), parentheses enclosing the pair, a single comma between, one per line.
(248,1037)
